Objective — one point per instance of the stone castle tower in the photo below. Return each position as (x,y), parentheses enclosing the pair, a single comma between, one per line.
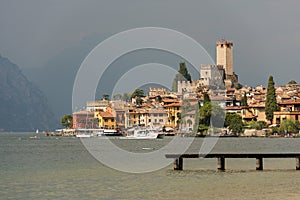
(224,57)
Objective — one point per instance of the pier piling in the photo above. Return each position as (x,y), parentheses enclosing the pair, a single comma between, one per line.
(297,163)
(259,163)
(221,163)
(178,163)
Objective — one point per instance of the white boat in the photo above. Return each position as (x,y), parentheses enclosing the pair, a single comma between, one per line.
(83,136)
(142,134)
(108,132)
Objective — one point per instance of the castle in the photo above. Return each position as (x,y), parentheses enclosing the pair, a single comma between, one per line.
(224,57)
(218,75)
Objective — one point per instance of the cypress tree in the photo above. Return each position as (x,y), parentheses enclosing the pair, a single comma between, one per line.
(205,112)
(183,75)
(271,104)
(184,72)
(244,100)
(206,98)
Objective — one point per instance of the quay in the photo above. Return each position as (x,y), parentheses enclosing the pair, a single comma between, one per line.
(178,158)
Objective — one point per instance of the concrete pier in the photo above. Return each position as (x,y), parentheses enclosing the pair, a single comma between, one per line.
(178,162)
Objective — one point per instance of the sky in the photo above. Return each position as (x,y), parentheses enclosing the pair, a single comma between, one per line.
(266,34)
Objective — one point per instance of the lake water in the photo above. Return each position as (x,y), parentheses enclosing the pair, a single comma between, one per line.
(62,168)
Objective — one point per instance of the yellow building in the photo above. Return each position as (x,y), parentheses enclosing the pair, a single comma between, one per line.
(106,119)
(173,114)
(139,117)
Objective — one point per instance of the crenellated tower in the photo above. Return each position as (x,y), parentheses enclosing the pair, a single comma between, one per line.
(224,56)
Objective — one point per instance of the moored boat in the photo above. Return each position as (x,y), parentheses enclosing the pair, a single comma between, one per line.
(83,136)
(143,134)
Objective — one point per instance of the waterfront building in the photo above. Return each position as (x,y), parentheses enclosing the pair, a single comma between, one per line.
(84,120)
(173,114)
(106,119)
(157,116)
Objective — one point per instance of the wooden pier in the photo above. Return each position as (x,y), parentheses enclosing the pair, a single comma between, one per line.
(178,158)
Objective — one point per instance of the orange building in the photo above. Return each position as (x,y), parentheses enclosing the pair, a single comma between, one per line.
(106,119)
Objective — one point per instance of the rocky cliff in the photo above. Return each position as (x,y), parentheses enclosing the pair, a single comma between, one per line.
(23,107)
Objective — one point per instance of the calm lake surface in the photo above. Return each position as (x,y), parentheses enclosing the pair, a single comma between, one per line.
(62,168)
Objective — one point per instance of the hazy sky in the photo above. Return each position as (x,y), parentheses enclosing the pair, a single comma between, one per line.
(266,34)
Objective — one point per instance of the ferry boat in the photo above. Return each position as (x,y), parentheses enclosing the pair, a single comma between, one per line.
(142,133)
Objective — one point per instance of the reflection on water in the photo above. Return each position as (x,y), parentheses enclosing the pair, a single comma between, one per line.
(61,168)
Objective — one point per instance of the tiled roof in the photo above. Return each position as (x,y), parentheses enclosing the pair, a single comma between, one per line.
(173,105)
(106,114)
(83,112)
(234,107)
(290,102)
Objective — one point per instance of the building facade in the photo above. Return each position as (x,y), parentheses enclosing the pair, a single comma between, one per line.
(84,120)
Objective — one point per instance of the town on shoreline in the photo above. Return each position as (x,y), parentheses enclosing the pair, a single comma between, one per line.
(214,105)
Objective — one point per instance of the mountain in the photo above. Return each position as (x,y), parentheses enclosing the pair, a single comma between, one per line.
(23,107)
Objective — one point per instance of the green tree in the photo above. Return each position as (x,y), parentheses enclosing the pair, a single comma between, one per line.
(234,122)
(184,72)
(67,121)
(244,100)
(271,104)
(139,101)
(206,98)
(258,125)
(105,96)
(183,75)
(292,82)
(204,115)
(288,126)
(138,93)
(238,86)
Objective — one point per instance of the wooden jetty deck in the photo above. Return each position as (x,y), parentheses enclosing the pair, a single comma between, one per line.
(178,158)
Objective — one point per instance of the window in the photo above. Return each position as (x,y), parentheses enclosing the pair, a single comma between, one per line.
(106,120)
(149,120)
(112,120)
(161,120)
